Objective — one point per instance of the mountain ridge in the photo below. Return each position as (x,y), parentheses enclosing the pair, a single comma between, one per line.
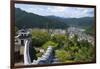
(31,20)
(34,20)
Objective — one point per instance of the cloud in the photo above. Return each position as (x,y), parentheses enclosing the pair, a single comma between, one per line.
(61,11)
(58,9)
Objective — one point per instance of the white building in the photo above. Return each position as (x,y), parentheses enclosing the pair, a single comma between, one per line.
(20,38)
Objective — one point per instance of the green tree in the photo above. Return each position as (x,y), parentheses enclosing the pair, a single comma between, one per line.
(85,53)
(58,38)
(50,43)
(39,37)
(62,55)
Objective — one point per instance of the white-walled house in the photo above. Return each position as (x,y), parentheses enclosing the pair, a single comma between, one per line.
(20,38)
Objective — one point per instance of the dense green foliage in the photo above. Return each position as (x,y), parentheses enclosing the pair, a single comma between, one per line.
(58,38)
(82,51)
(62,55)
(39,37)
(66,50)
(50,43)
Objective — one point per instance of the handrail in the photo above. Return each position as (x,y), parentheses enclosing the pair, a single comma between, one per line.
(27,59)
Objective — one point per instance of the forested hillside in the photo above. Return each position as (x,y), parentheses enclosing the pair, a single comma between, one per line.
(30,20)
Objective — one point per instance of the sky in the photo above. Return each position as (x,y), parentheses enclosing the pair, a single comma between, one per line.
(60,11)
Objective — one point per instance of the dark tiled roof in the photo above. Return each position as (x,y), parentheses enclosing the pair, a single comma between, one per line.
(23,37)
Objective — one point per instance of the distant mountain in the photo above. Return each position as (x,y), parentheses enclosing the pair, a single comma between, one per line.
(78,22)
(86,22)
(30,20)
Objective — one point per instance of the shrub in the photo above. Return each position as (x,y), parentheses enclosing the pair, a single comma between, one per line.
(50,43)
